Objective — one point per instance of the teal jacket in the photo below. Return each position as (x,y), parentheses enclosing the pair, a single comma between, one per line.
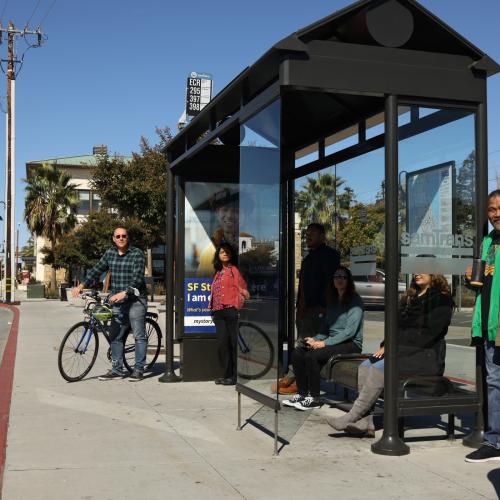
(343,323)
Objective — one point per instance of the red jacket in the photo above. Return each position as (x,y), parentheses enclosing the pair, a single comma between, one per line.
(233,289)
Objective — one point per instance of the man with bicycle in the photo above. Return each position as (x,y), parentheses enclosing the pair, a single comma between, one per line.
(128,298)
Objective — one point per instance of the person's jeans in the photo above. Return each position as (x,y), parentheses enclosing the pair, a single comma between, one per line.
(492,357)
(131,313)
(307,365)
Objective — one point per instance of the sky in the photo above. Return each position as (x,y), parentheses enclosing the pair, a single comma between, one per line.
(111,71)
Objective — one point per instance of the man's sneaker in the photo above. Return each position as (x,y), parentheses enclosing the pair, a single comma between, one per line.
(308,403)
(136,376)
(484,454)
(293,400)
(111,375)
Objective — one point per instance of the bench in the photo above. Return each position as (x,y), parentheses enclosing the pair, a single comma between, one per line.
(342,370)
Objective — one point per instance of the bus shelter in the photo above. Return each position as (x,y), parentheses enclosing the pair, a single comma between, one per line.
(373,122)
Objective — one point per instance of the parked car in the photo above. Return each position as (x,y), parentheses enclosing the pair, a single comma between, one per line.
(371,288)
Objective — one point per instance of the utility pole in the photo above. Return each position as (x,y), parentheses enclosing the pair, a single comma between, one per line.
(10,177)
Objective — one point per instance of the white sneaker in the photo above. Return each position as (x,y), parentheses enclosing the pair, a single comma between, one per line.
(293,400)
(307,403)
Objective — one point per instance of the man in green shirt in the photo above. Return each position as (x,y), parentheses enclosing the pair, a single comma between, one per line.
(485,325)
(128,298)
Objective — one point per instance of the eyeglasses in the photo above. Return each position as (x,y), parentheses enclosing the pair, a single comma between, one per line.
(339,277)
(121,236)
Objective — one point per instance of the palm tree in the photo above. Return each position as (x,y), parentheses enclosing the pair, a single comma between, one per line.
(317,200)
(50,206)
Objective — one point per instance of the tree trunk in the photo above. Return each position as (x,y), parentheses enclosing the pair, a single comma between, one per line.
(53,283)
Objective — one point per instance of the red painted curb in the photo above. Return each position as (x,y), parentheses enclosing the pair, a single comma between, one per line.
(7,378)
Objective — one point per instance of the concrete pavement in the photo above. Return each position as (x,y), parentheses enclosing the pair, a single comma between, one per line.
(121,440)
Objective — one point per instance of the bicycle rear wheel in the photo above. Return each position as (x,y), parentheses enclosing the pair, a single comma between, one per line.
(78,351)
(256,352)
(153,333)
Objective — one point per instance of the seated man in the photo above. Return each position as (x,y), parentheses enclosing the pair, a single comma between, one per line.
(342,334)
(424,316)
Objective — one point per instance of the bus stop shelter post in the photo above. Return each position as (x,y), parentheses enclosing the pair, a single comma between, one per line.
(169,375)
(476,438)
(390,443)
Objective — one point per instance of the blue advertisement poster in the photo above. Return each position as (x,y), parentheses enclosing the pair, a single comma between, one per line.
(197,318)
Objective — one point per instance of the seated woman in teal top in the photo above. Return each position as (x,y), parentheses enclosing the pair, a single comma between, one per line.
(342,333)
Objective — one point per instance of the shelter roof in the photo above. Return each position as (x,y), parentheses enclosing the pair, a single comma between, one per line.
(403,24)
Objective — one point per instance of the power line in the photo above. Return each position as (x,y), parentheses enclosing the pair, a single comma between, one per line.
(47,12)
(33,13)
(3,10)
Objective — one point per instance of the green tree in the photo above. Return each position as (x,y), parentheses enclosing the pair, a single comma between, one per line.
(50,206)
(316,202)
(465,195)
(360,230)
(136,188)
(86,244)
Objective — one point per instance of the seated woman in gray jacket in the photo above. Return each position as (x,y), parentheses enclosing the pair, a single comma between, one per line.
(342,333)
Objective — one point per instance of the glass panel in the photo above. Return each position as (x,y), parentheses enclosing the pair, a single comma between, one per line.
(259,237)
(306,155)
(83,202)
(437,230)
(348,199)
(341,140)
(211,218)
(361,237)
(375,125)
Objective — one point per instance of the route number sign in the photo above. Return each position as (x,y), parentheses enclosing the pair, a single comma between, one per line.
(199,92)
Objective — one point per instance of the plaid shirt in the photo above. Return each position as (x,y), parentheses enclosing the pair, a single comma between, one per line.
(127,270)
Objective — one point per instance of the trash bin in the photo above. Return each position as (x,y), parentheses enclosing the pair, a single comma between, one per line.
(35,291)
(63,291)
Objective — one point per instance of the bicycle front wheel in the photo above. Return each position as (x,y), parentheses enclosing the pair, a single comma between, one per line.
(153,333)
(255,351)
(78,351)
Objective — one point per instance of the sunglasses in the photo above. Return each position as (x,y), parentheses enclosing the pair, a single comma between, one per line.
(120,236)
(339,277)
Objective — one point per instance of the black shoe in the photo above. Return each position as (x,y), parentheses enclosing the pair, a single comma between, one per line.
(218,381)
(111,375)
(484,454)
(308,403)
(136,376)
(227,381)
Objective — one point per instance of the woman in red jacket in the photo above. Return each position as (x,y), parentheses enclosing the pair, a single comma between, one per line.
(229,290)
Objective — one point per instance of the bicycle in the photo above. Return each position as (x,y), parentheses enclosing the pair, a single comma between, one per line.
(256,351)
(80,345)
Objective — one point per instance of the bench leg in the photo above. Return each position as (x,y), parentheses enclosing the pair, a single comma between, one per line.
(451,427)
(401,427)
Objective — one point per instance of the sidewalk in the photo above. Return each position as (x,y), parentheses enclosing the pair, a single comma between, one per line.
(120,440)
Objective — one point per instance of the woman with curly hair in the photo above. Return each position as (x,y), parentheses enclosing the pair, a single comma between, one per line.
(424,316)
(228,292)
(342,334)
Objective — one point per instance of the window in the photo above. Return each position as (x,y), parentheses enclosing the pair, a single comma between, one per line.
(83,202)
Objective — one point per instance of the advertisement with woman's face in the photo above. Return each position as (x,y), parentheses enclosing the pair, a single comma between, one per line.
(211,218)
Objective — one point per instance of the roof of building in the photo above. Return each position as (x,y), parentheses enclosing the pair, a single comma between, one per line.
(75,161)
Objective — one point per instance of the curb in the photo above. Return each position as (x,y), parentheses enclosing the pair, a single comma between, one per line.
(7,378)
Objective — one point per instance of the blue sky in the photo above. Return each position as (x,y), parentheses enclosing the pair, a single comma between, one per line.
(112,70)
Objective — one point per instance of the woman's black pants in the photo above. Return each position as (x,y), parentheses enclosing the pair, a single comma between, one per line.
(307,365)
(226,326)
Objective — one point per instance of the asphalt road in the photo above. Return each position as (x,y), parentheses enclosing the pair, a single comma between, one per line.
(5,319)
